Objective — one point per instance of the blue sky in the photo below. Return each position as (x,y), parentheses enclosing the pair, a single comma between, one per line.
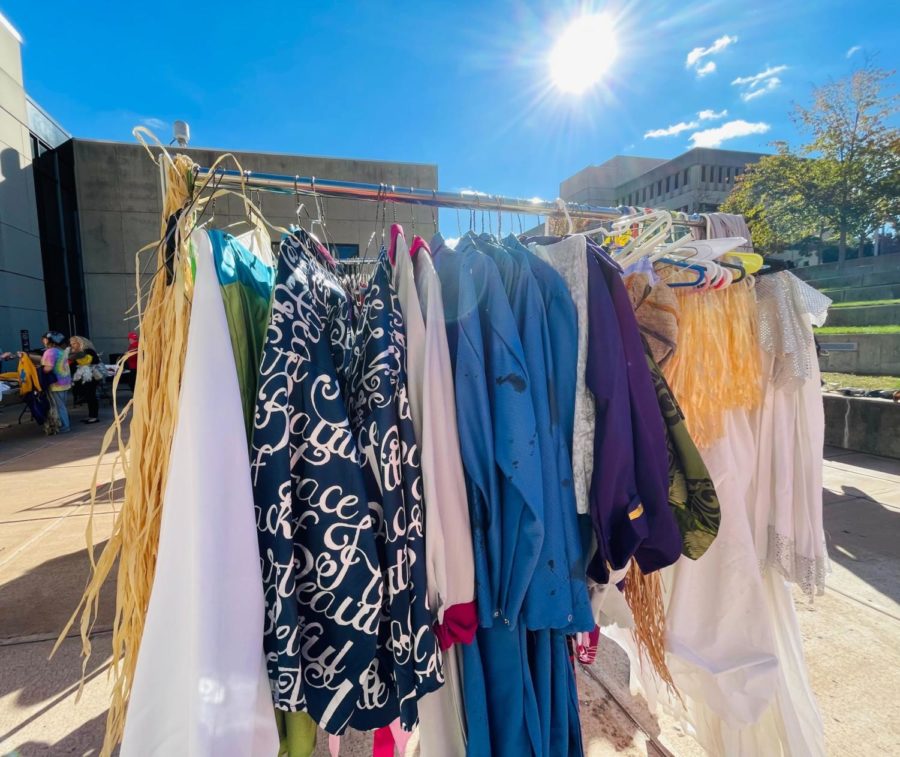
(464,85)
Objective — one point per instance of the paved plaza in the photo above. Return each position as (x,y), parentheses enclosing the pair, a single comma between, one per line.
(851,634)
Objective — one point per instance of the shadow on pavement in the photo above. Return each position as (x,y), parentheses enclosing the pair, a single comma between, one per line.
(41,601)
(861,535)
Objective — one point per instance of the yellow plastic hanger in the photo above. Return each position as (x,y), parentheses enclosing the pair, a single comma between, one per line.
(751,261)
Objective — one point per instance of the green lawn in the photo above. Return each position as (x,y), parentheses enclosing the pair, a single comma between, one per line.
(858,330)
(849,381)
(864,303)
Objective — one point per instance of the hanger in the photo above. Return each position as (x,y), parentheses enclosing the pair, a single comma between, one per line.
(738,267)
(698,269)
(418,244)
(654,229)
(396,232)
(563,207)
(752,261)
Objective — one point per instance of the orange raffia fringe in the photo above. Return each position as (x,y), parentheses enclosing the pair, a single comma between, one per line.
(716,367)
(162,325)
(643,592)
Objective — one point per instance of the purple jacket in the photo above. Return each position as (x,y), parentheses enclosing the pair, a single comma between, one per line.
(630,481)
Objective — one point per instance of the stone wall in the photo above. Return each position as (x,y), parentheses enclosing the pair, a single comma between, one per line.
(863,424)
(875,354)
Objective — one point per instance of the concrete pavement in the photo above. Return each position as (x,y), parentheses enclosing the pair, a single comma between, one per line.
(851,634)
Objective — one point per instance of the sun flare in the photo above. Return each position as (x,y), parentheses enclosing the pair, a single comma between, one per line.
(583,53)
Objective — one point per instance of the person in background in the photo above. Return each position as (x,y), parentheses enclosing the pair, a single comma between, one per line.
(87,374)
(132,362)
(55,367)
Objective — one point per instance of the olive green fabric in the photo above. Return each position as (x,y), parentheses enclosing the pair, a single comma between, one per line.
(692,495)
(297,732)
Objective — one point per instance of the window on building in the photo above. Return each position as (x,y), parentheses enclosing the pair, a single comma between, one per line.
(676,181)
(720,174)
(38,147)
(728,175)
(668,184)
(685,177)
(703,174)
(659,188)
(651,191)
(738,171)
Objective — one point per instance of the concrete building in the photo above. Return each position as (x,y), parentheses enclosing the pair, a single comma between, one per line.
(697,181)
(25,131)
(73,213)
(100,202)
(598,185)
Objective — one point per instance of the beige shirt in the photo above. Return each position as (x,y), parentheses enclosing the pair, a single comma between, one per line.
(448,535)
(569,258)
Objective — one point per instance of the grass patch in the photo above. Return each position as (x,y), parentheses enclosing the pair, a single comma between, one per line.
(863,303)
(851,381)
(825,330)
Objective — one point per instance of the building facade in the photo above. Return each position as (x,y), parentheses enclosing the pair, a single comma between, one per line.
(697,181)
(100,202)
(25,131)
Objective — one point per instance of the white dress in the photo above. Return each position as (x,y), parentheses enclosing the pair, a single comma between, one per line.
(734,644)
(786,507)
(200,686)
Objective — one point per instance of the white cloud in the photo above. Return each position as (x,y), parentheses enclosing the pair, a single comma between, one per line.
(759,84)
(698,53)
(731,130)
(707,68)
(711,115)
(154,123)
(671,131)
(756,79)
(853,50)
(770,86)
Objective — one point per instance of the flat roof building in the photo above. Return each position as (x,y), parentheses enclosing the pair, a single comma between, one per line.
(697,181)
(100,202)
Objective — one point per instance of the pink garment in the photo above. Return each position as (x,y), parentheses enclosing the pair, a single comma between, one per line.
(586,646)
(389,737)
(459,625)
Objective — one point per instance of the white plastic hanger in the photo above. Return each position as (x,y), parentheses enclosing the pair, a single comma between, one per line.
(655,228)
(563,208)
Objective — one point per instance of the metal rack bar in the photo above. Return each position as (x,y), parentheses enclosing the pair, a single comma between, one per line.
(410,195)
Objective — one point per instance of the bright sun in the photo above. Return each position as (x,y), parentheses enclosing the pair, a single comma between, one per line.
(583,53)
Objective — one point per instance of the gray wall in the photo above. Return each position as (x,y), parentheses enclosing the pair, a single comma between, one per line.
(119,209)
(22,301)
(866,425)
(874,354)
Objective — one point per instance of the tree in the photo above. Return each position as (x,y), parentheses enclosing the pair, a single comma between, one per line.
(845,179)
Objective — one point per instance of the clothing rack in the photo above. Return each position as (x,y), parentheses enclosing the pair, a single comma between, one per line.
(434,198)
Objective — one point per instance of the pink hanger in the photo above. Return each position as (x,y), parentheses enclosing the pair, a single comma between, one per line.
(396,231)
(419,244)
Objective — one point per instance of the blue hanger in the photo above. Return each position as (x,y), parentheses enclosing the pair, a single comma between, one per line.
(699,269)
